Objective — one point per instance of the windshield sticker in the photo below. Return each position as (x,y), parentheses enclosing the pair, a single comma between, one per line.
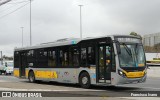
(140,65)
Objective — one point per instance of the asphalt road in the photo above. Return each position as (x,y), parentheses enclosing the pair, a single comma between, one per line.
(16,83)
(10,83)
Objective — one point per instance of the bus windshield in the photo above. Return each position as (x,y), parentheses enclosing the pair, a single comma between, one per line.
(132,55)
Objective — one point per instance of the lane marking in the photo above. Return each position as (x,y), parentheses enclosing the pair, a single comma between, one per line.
(4,81)
(13,89)
(151,88)
(143,87)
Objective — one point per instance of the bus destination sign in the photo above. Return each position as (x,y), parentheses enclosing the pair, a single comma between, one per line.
(128,39)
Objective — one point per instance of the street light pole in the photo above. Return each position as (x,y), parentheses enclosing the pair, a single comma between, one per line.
(22,35)
(30,25)
(80,21)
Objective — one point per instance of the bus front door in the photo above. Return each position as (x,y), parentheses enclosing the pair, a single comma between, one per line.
(104,59)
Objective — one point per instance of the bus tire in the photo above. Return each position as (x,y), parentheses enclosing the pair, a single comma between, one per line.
(31,77)
(84,80)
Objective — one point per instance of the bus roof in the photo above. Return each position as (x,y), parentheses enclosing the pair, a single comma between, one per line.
(65,41)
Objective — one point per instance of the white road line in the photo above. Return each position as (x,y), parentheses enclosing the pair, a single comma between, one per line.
(143,87)
(74,89)
(4,81)
(13,89)
(151,88)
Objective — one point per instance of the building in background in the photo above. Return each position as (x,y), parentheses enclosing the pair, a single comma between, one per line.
(151,39)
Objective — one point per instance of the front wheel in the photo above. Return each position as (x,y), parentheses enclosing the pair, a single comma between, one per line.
(31,77)
(84,80)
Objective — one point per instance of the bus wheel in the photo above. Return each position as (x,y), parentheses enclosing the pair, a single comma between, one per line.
(31,77)
(84,80)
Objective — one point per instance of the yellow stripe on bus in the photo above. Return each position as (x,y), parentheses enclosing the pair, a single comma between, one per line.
(134,74)
(45,74)
(16,72)
(26,72)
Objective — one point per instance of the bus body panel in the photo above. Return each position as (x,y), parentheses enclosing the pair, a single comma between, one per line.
(119,80)
(65,75)
(16,72)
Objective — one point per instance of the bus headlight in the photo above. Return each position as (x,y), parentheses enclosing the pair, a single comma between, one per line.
(121,73)
(145,72)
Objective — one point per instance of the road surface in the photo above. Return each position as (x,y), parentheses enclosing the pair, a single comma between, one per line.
(10,83)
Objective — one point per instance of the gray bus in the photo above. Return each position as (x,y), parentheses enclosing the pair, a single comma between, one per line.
(109,60)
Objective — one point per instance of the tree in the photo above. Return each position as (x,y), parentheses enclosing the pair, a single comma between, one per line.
(133,33)
(136,34)
(157,47)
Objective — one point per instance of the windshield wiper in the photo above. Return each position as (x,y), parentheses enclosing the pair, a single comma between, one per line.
(127,49)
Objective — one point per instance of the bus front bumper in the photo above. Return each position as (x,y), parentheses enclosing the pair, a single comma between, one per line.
(124,80)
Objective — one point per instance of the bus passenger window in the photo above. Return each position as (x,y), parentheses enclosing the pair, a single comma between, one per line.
(16,60)
(30,58)
(75,57)
(51,58)
(91,56)
(42,59)
(65,58)
(60,58)
(113,60)
(70,57)
(83,56)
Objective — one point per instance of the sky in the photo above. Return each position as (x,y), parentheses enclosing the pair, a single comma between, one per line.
(57,19)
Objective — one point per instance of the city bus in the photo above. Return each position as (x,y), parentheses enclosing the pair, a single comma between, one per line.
(110,60)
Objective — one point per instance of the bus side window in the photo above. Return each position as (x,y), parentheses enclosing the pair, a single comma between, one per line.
(42,58)
(91,56)
(52,58)
(65,58)
(31,58)
(75,57)
(83,57)
(70,57)
(60,58)
(113,60)
(16,60)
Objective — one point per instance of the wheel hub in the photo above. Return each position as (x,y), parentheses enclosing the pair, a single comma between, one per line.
(84,80)
(31,78)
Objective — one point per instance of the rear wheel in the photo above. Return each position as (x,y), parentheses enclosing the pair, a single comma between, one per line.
(31,77)
(84,80)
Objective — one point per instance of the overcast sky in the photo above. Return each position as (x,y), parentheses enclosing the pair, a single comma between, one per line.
(56,19)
